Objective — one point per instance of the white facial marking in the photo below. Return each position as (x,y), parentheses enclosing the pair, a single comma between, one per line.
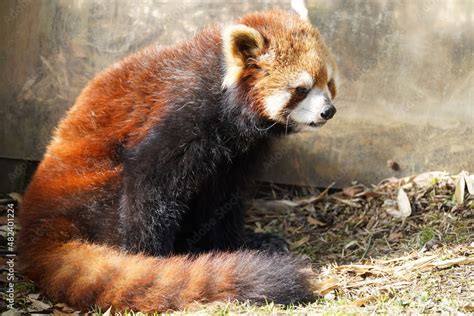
(303,79)
(275,103)
(309,110)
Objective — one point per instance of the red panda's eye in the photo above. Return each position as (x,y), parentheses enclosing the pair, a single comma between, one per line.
(301,91)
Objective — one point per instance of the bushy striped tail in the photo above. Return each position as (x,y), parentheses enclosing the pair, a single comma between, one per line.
(84,275)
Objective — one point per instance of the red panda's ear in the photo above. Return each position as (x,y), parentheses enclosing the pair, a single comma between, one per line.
(240,43)
(332,88)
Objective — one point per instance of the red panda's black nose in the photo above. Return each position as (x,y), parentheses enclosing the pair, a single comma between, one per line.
(328,112)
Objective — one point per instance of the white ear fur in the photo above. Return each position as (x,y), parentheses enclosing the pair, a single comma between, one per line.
(299,6)
(240,42)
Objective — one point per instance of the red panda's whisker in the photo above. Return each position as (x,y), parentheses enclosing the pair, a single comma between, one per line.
(264,129)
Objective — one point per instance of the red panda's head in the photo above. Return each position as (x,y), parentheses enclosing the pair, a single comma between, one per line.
(282,65)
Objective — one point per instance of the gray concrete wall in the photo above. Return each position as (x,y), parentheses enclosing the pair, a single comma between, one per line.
(405,88)
(51,48)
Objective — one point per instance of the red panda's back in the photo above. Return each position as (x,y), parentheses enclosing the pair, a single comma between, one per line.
(82,164)
(114,112)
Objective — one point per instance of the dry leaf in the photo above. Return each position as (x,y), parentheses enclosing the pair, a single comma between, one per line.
(325,286)
(350,244)
(354,190)
(364,301)
(417,264)
(312,199)
(347,202)
(403,209)
(394,212)
(300,242)
(63,308)
(427,178)
(107,313)
(58,312)
(459,192)
(37,305)
(16,196)
(395,236)
(452,262)
(403,204)
(34,296)
(313,221)
(388,180)
(12,312)
(469,308)
(282,205)
(469,183)
(390,207)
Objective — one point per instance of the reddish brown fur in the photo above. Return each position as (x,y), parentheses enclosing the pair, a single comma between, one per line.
(78,160)
(113,111)
(87,270)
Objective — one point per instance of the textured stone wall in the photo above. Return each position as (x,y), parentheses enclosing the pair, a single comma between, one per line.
(405,88)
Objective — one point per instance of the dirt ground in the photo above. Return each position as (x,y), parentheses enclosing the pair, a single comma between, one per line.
(404,246)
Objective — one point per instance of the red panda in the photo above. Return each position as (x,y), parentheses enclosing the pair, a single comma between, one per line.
(136,203)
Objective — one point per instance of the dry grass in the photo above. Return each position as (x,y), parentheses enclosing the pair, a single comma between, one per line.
(373,251)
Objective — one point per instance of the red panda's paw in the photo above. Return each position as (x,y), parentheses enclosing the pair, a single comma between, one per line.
(266,242)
